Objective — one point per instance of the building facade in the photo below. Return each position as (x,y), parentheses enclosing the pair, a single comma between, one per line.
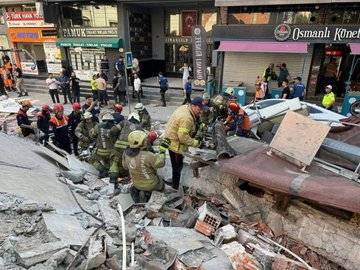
(33,42)
(159,33)
(317,41)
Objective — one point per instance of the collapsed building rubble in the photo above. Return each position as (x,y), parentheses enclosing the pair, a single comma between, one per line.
(57,214)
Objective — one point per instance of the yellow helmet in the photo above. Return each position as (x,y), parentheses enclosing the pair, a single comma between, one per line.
(26,103)
(137,138)
(219,100)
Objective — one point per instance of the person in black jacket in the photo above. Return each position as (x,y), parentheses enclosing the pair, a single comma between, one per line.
(74,121)
(43,122)
(75,87)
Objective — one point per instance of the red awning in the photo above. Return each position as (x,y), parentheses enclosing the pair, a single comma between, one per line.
(355,48)
(258,46)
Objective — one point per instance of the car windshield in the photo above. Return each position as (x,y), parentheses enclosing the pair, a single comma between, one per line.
(267,103)
(313,110)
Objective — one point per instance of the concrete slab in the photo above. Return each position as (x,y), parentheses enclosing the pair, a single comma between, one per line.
(67,228)
(110,216)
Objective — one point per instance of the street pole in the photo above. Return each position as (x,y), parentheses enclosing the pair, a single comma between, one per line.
(127,88)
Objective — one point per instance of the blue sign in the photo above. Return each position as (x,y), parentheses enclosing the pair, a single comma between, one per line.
(129,59)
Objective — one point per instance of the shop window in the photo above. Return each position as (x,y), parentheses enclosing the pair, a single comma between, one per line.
(249,18)
(174,25)
(92,16)
(351,17)
(208,19)
(301,17)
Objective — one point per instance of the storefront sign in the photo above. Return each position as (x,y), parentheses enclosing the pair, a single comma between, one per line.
(199,55)
(189,20)
(25,19)
(289,33)
(184,40)
(29,68)
(77,32)
(91,42)
(29,35)
(53,57)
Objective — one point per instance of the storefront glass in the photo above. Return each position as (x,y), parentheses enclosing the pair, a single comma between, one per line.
(92,16)
(86,61)
(249,18)
(208,19)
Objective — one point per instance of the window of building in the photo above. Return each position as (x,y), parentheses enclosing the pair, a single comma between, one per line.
(92,16)
(301,17)
(208,19)
(249,18)
(172,27)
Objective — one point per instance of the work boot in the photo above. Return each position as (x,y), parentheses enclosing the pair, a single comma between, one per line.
(20,95)
(117,190)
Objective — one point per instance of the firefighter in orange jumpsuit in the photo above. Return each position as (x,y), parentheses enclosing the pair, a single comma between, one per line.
(59,124)
(238,121)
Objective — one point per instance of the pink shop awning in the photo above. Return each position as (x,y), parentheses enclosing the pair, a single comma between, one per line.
(258,46)
(355,48)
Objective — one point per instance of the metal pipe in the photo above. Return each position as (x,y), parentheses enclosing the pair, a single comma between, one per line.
(132,255)
(122,220)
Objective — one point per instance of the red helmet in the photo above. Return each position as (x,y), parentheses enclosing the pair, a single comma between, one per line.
(45,107)
(118,108)
(76,106)
(152,136)
(234,107)
(58,107)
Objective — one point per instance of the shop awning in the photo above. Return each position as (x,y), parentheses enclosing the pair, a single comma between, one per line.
(355,48)
(257,46)
(90,42)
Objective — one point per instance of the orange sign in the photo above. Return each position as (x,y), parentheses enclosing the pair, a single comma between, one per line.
(34,35)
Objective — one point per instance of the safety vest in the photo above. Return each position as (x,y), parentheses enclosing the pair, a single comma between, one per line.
(328,100)
(59,123)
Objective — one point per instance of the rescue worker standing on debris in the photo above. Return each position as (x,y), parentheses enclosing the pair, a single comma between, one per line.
(143,166)
(74,121)
(23,120)
(43,122)
(59,123)
(82,131)
(180,133)
(238,121)
(106,134)
(143,116)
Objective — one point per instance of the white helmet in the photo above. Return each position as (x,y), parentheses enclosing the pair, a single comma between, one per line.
(87,115)
(229,91)
(107,117)
(139,107)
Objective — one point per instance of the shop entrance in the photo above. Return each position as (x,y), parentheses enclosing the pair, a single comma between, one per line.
(334,68)
(37,51)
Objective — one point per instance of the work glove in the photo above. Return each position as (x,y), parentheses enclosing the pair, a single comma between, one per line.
(164,145)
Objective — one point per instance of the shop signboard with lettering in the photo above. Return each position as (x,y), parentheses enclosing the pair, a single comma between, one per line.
(199,55)
(82,32)
(53,57)
(25,19)
(29,68)
(289,33)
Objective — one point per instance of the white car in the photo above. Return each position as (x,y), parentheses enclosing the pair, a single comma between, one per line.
(316,113)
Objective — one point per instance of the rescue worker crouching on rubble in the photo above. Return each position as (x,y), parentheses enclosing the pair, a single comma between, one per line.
(59,123)
(143,166)
(106,134)
(238,121)
(23,120)
(74,120)
(229,95)
(82,131)
(43,122)
(125,127)
(144,116)
(180,133)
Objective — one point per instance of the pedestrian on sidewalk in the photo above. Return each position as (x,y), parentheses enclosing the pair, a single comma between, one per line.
(137,87)
(283,74)
(185,75)
(2,86)
(259,89)
(75,87)
(101,87)
(19,82)
(65,87)
(94,89)
(119,86)
(164,85)
(286,90)
(52,84)
(329,98)
(188,91)
(299,89)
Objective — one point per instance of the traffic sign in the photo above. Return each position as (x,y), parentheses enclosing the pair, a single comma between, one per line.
(129,60)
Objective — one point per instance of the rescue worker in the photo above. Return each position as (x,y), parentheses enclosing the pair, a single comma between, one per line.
(143,166)
(106,134)
(59,123)
(329,98)
(23,120)
(74,121)
(82,131)
(43,122)
(180,133)
(116,169)
(219,108)
(229,95)
(238,121)
(118,108)
(144,116)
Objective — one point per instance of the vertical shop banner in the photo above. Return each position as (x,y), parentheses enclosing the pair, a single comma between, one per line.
(199,55)
(53,57)
(188,21)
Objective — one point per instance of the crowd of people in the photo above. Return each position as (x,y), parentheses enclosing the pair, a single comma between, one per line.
(11,78)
